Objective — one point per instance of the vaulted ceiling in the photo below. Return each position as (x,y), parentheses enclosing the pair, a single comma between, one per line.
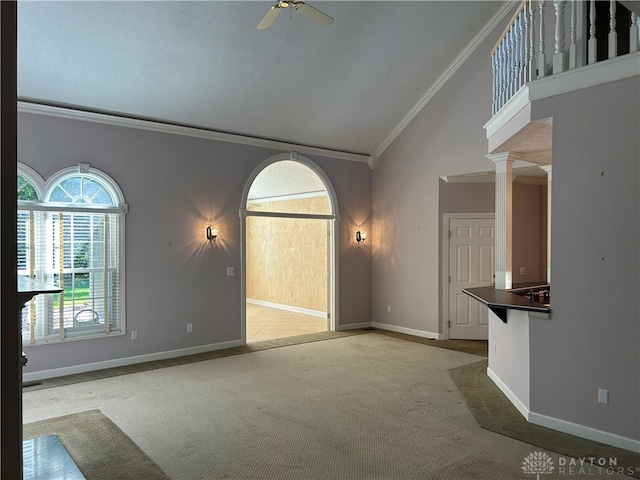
(346,86)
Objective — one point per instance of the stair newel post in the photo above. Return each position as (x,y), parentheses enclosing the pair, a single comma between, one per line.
(532,74)
(559,54)
(613,35)
(573,48)
(593,43)
(542,57)
(633,33)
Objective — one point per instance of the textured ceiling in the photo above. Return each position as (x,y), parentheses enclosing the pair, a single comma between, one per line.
(343,87)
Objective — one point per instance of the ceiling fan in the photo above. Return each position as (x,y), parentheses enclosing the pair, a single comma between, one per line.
(307,10)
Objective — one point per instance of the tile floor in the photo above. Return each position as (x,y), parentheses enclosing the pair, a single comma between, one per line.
(266,323)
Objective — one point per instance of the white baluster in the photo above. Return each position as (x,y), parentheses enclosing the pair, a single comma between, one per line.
(522,62)
(593,43)
(532,75)
(515,86)
(573,48)
(509,63)
(495,82)
(542,57)
(633,33)
(613,36)
(559,55)
(503,75)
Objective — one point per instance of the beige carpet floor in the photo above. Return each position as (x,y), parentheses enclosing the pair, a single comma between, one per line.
(322,410)
(94,442)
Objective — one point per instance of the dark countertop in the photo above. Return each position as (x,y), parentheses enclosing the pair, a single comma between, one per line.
(29,287)
(501,300)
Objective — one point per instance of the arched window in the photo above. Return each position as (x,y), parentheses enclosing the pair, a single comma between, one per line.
(72,235)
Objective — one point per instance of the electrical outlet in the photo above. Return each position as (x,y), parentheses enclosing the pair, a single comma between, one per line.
(523,270)
(388,308)
(494,348)
(134,334)
(189,327)
(231,271)
(603,396)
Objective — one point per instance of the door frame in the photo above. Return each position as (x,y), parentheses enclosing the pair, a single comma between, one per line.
(333,322)
(446,221)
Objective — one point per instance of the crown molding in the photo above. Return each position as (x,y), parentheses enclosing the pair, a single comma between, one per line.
(505,9)
(165,127)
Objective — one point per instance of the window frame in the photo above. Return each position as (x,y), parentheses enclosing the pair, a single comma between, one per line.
(42,214)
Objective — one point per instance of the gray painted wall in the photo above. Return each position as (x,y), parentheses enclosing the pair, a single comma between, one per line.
(174,185)
(528,222)
(592,339)
(446,138)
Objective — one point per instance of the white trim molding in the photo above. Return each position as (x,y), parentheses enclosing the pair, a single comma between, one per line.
(408,331)
(619,68)
(506,8)
(583,431)
(288,308)
(565,426)
(165,127)
(521,407)
(121,362)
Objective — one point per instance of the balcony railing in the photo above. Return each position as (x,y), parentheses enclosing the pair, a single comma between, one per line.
(521,55)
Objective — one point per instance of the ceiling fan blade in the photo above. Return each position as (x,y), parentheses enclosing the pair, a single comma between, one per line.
(313,14)
(270,17)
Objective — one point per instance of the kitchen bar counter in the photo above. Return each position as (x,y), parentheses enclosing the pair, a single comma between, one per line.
(499,301)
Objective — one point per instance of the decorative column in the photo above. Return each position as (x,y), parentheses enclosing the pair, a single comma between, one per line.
(547,168)
(504,178)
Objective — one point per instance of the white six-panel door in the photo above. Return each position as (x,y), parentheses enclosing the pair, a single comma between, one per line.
(471,264)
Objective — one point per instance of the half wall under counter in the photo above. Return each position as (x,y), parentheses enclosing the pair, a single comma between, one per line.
(520,298)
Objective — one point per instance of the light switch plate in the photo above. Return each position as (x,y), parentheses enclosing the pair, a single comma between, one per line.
(231,271)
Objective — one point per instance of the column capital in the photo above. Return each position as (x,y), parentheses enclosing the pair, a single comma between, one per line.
(504,157)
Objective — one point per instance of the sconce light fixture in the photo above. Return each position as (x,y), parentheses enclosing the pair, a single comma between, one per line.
(361,236)
(212,233)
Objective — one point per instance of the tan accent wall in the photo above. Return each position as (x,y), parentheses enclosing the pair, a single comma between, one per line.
(287,258)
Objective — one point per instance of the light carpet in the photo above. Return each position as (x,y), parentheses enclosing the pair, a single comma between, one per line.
(97,446)
(357,407)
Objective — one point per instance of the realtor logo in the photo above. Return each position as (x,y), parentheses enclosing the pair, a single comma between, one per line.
(537,463)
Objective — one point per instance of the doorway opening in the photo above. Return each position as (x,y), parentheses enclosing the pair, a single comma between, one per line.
(289,245)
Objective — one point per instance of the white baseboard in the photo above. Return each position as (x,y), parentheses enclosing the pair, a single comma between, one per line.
(565,426)
(585,432)
(408,331)
(521,407)
(354,326)
(289,308)
(121,362)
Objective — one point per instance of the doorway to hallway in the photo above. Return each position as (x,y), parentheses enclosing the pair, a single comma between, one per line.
(288,261)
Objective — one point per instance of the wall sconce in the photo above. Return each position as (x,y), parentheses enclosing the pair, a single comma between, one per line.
(212,233)
(361,236)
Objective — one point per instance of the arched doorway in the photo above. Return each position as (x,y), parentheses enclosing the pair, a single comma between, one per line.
(286,202)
